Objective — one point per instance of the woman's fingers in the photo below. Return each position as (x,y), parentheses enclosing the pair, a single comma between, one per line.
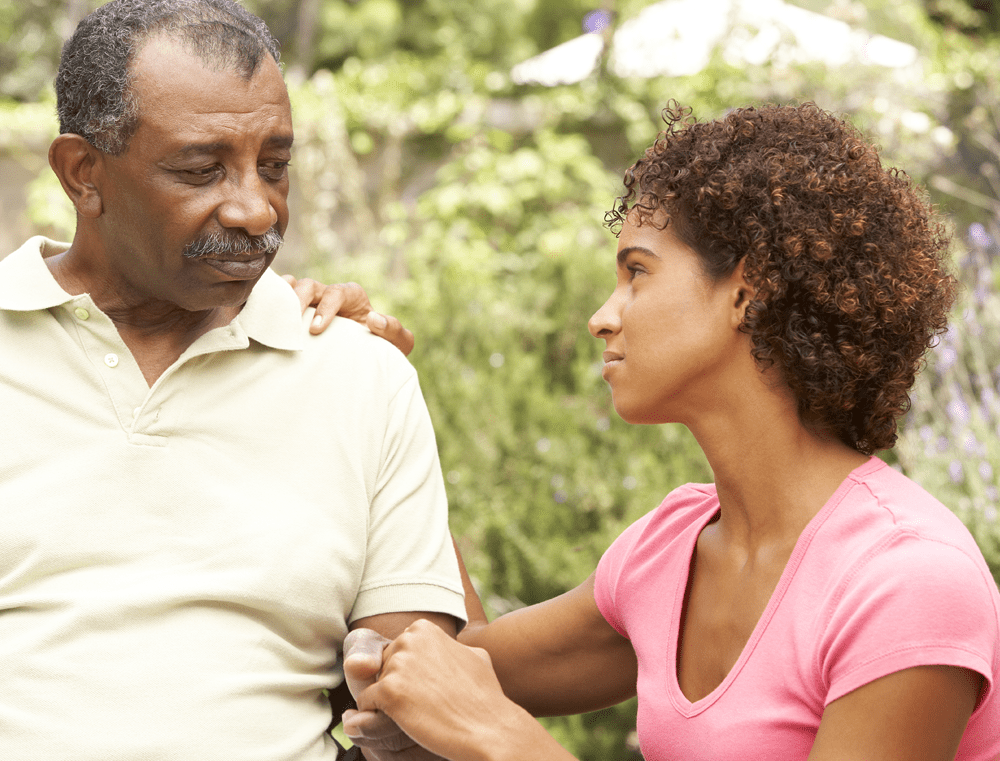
(391,330)
(347,300)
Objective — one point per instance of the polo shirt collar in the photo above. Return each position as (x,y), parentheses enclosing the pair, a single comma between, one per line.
(26,284)
(271,316)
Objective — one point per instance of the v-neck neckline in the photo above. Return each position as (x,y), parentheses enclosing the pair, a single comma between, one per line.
(678,698)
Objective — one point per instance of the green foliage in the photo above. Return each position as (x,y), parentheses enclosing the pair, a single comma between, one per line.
(498,258)
(971,17)
(30,40)
(950,442)
(506,258)
(472,209)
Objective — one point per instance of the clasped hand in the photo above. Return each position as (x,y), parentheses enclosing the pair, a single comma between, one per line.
(439,694)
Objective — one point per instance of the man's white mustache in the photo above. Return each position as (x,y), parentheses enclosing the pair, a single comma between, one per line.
(233,244)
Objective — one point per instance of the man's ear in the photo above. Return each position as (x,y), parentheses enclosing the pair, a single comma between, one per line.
(76,163)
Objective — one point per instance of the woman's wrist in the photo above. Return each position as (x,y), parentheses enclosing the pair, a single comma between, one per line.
(517,736)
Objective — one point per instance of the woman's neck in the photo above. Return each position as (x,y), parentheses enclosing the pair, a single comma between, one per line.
(772,472)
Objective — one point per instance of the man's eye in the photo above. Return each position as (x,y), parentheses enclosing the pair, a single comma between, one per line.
(275,170)
(201,173)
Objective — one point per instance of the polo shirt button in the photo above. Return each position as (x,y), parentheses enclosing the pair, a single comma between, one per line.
(111,360)
(81,313)
(136,412)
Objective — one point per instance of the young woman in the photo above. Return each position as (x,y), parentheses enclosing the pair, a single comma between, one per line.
(776,291)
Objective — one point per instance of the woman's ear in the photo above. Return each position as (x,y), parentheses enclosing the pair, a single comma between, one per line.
(742,292)
(76,163)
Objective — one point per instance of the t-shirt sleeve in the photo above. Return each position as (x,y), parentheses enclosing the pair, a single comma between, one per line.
(912,602)
(410,563)
(609,573)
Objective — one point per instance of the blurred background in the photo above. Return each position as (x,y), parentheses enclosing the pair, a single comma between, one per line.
(457,157)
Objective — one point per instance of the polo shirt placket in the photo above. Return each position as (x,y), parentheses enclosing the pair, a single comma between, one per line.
(141,411)
(131,399)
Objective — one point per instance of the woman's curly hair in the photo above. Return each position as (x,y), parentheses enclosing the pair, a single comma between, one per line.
(847,259)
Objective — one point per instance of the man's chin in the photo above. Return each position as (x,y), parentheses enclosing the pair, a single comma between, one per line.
(224,294)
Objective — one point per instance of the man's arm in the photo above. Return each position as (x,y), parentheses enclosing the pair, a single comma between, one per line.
(389,625)
(555,658)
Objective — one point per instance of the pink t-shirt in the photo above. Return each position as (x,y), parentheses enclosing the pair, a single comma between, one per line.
(882,579)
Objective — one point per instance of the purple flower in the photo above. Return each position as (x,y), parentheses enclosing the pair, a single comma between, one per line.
(956,471)
(946,357)
(958,411)
(978,235)
(598,21)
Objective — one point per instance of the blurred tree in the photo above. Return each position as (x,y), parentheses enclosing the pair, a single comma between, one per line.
(972,17)
(31,36)
(473,209)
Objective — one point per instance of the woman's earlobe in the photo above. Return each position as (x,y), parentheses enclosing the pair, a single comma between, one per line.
(741,303)
(743,291)
(75,163)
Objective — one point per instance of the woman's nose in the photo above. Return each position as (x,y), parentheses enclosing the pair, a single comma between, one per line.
(606,321)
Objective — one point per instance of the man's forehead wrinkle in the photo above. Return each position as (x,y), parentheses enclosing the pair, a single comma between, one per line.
(219,146)
(161,53)
(186,34)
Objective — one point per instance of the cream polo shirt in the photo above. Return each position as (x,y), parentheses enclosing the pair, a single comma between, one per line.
(179,564)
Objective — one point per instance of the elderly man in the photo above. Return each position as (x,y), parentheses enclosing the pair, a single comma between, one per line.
(182,555)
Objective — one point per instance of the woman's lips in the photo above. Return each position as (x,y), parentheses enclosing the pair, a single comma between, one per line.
(611,361)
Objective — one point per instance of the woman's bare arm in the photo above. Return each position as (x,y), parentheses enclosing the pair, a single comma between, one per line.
(446,697)
(918,714)
(558,657)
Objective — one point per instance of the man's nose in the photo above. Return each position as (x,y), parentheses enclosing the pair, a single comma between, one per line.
(249,205)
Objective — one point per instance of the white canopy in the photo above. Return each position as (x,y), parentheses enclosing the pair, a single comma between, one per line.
(678,37)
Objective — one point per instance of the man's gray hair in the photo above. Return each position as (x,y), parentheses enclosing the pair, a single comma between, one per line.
(94,96)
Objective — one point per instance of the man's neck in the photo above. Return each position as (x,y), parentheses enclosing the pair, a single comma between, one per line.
(157,333)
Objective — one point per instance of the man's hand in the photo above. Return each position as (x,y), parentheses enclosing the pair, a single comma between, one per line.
(348,300)
(446,696)
(380,736)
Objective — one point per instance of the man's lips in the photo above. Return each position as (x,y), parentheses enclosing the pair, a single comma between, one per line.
(238,268)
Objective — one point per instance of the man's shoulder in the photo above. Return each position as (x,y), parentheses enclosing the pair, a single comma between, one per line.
(350,344)
(25,282)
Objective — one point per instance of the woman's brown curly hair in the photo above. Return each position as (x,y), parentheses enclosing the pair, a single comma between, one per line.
(848,261)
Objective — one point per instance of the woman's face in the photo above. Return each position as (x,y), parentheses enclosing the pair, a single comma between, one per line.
(671,332)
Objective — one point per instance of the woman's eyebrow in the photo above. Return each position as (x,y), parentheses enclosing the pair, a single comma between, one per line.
(623,254)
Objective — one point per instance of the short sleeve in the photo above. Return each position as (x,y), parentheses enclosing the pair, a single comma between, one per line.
(410,563)
(911,602)
(609,571)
